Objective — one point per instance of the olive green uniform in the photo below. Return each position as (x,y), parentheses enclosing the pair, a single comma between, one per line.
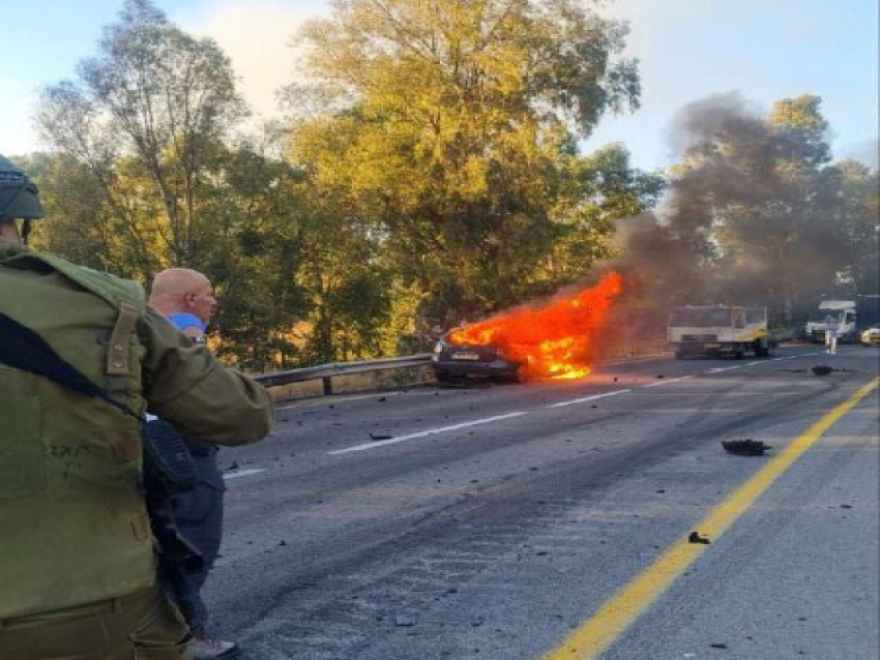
(75,532)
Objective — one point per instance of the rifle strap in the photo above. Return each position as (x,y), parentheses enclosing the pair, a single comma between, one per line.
(22,348)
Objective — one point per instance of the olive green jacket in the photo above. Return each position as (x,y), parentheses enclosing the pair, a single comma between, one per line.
(73,525)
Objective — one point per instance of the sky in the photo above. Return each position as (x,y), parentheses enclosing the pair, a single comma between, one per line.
(765,50)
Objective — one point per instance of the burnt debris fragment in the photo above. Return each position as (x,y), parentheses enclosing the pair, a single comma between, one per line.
(746,447)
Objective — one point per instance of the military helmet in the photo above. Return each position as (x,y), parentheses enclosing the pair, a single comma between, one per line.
(19,196)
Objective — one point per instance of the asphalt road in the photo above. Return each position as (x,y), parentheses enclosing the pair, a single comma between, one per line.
(550,521)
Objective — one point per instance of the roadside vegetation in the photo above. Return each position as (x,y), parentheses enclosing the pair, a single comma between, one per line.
(430,170)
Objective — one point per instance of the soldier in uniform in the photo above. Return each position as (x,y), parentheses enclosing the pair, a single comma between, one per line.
(186,298)
(77,566)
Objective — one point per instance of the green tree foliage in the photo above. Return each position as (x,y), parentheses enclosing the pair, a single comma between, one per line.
(801,130)
(74,199)
(147,177)
(452,136)
(606,188)
(254,259)
(347,284)
(146,116)
(859,190)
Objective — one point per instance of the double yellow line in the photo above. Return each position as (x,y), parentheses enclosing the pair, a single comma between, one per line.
(624,607)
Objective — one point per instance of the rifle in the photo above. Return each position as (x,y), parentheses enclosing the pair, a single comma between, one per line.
(169,470)
(168,466)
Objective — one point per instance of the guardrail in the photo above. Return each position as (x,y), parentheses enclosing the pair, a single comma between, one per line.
(326,372)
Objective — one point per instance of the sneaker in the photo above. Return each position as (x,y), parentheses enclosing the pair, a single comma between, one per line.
(209,649)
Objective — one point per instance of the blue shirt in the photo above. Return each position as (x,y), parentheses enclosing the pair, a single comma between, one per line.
(184,320)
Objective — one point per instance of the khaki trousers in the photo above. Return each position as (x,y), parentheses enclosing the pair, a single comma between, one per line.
(140,626)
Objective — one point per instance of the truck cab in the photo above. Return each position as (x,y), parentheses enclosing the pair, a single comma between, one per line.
(719,331)
(842,313)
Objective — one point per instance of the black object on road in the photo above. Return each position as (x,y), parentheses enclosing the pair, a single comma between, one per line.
(747,447)
(696,538)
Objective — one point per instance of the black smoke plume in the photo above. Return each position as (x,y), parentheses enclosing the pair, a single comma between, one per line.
(752,217)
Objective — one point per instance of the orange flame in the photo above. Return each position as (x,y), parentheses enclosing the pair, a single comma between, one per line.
(556,340)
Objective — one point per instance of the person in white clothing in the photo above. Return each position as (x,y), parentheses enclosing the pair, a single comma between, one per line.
(831,331)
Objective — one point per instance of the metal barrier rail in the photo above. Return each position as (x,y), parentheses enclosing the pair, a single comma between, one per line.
(326,372)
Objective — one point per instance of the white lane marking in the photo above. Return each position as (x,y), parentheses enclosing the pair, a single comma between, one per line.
(586,398)
(455,427)
(242,473)
(667,382)
(752,364)
(422,434)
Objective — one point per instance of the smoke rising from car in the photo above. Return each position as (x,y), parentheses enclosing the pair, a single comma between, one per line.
(747,216)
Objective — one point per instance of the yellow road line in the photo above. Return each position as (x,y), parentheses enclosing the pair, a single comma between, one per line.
(624,607)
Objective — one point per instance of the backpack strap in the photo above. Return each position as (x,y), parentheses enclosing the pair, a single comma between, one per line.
(124,296)
(118,348)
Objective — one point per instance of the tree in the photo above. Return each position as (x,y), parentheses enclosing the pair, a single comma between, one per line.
(801,130)
(860,214)
(146,116)
(348,286)
(74,201)
(606,189)
(147,177)
(453,135)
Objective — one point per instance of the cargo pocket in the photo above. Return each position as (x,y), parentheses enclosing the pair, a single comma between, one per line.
(23,466)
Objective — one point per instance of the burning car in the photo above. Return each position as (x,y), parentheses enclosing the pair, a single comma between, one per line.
(554,340)
(454,356)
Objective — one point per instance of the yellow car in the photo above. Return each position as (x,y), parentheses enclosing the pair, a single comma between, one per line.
(871,336)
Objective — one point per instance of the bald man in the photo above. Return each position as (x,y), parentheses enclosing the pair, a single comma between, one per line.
(186,298)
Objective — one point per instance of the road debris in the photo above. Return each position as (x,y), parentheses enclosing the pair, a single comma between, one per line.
(380,436)
(747,447)
(695,537)
(818,370)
